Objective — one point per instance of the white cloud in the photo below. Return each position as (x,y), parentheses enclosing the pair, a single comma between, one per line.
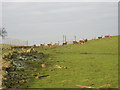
(49,21)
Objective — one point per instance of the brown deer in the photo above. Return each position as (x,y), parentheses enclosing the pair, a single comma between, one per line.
(82,41)
(64,43)
(108,36)
(75,42)
(100,37)
(49,45)
(42,45)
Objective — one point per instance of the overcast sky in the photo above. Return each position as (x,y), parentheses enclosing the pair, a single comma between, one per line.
(40,22)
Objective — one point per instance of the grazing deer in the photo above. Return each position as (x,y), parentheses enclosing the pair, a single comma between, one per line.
(82,41)
(34,45)
(100,37)
(64,43)
(108,36)
(57,44)
(50,45)
(94,39)
(85,40)
(42,45)
(75,42)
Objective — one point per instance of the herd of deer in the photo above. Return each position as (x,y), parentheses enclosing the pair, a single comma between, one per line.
(74,42)
(57,44)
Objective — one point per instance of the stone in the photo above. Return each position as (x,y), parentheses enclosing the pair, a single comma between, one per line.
(43,65)
(37,77)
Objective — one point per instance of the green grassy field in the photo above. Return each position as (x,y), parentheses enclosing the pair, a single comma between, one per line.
(4,46)
(94,64)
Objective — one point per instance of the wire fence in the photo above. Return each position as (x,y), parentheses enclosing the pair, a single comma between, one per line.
(11,41)
(16,42)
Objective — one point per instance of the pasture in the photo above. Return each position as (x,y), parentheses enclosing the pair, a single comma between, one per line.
(93,64)
(4,46)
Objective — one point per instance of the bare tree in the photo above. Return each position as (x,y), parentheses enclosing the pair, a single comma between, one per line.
(3,32)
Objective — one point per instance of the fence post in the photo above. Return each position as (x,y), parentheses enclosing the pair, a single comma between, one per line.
(14,41)
(75,38)
(63,38)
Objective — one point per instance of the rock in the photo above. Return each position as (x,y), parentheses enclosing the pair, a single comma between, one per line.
(106,86)
(15,51)
(40,76)
(65,67)
(43,76)
(4,78)
(43,65)
(51,70)
(30,50)
(57,66)
(37,77)
(23,81)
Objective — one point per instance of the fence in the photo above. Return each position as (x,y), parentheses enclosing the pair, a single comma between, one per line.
(11,41)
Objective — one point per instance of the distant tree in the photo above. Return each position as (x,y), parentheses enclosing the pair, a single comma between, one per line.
(3,32)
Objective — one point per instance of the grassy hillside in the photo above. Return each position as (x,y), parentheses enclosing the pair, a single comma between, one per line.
(4,46)
(94,64)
